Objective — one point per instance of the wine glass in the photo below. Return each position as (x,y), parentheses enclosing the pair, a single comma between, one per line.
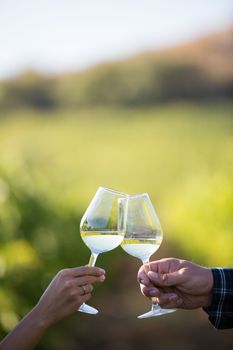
(102,227)
(143,237)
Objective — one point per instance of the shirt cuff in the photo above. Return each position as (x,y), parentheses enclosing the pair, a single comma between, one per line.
(220,312)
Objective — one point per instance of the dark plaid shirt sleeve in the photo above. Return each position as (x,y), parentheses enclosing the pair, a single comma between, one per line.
(221,309)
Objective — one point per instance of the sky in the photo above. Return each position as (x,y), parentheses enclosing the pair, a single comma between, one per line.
(56,36)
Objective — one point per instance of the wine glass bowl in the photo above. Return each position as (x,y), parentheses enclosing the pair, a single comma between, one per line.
(143,234)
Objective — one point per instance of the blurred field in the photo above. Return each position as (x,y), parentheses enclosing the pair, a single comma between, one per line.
(51,164)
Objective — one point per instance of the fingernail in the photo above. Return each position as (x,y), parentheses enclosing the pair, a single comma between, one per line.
(142,281)
(102,278)
(101,270)
(153,275)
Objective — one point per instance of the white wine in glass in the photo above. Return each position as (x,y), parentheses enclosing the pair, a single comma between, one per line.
(143,236)
(102,227)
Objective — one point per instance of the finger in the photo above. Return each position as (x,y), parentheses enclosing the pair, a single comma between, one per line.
(142,277)
(85,289)
(86,297)
(79,281)
(165,265)
(170,300)
(149,291)
(80,300)
(166,279)
(86,270)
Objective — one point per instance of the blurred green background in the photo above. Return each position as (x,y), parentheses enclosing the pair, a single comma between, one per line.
(159,123)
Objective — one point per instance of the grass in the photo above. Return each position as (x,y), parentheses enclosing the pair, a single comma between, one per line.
(181,154)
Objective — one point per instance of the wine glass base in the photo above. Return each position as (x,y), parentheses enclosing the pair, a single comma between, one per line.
(87,309)
(157,312)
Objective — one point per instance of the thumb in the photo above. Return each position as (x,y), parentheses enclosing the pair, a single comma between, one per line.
(166,279)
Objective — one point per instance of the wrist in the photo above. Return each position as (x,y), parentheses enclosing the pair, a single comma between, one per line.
(40,318)
(209,286)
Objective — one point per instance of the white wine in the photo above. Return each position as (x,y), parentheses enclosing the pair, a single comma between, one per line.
(102,241)
(141,248)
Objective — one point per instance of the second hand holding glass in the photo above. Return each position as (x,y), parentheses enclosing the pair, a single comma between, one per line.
(143,237)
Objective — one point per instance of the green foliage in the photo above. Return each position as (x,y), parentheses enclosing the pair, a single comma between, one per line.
(118,84)
(51,167)
(31,90)
(198,71)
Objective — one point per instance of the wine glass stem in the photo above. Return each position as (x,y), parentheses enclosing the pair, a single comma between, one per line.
(155,304)
(92,260)
(84,307)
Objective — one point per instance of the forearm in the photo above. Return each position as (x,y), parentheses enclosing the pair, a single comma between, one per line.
(27,334)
